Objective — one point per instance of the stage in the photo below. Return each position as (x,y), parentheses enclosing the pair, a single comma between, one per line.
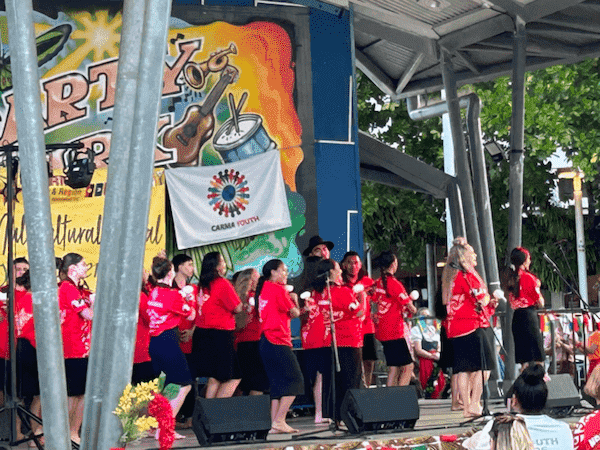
(436,421)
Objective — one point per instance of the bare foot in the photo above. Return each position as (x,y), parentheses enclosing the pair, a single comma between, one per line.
(75,438)
(282,428)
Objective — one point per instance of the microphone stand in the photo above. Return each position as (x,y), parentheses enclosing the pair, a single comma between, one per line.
(335,368)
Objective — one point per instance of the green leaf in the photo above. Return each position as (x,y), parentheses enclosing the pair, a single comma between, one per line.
(171,391)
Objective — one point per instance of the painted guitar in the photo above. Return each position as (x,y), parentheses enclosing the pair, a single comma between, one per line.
(198,123)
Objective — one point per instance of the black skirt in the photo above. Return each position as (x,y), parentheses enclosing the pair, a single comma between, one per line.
(529,345)
(27,371)
(369,350)
(446,353)
(316,360)
(396,353)
(472,352)
(349,377)
(143,372)
(215,355)
(167,357)
(254,376)
(283,370)
(76,373)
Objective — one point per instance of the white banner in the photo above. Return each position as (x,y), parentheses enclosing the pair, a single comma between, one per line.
(213,204)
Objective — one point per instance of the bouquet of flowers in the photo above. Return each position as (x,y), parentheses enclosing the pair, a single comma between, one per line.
(132,409)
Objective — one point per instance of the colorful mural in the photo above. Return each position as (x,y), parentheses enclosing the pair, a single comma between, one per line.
(228,94)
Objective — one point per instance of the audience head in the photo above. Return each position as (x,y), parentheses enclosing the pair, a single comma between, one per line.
(530,390)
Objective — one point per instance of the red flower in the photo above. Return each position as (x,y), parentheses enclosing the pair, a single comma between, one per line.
(161,410)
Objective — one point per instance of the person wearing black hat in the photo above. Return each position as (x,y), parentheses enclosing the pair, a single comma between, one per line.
(318,247)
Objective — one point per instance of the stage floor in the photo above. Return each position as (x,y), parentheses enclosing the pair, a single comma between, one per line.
(436,419)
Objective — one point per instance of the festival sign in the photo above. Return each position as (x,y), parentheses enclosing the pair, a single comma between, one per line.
(228,96)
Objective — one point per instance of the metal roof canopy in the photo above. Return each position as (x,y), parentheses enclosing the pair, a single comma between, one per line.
(398,43)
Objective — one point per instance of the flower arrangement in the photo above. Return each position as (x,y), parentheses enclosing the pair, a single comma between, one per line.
(151,397)
(132,406)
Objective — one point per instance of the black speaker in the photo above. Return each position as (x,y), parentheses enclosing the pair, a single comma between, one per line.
(381,409)
(562,392)
(232,419)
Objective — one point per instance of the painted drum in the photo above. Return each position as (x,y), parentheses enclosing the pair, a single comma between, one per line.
(251,139)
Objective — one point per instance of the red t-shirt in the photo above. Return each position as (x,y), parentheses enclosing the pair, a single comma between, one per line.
(251,332)
(274,306)
(389,321)
(164,308)
(316,332)
(463,316)
(368,326)
(185,323)
(24,326)
(217,310)
(4,343)
(529,291)
(348,326)
(142,336)
(76,331)
(587,433)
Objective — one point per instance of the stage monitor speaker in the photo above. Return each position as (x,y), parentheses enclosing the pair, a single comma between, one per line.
(232,419)
(381,409)
(562,393)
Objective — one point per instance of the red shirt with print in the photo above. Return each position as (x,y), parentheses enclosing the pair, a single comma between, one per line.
(185,323)
(217,310)
(142,336)
(368,325)
(348,325)
(390,304)
(465,308)
(165,308)
(24,316)
(529,291)
(251,332)
(76,330)
(274,306)
(316,332)
(587,433)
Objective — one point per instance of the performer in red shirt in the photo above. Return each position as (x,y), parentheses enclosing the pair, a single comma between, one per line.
(392,300)
(214,336)
(164,308)
(347,312)
(355,277)
(248,330)
(76,314)
(276,308)
(468,304)
(143,370)
(524,296)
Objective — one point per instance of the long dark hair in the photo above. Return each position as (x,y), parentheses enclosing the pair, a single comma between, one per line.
(67,261)
(361,273)
(383,262)
(269,266)
(511,275)
(208,271)
(160,269)
(324,266)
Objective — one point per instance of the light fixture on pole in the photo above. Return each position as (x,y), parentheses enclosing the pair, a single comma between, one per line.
(495,151)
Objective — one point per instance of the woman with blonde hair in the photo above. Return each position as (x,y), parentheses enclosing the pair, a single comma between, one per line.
(469,308)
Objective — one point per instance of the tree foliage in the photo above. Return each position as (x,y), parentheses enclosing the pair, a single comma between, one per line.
(562,111)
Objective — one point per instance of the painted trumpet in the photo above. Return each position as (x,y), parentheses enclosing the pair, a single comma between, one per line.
(195,74)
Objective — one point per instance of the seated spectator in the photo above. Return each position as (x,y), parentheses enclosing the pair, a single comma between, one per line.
(587,433)
(528,400)
(592,350)
(563,338)
(425,337)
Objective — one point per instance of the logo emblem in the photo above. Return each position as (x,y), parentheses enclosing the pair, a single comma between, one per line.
(228,193)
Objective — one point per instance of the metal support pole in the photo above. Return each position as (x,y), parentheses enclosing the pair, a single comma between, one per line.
(103,337)
(580,237)
(431,278)
(128,261)
(463,171)
(515,178)
(457,214)
(482,192)
(40,244)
